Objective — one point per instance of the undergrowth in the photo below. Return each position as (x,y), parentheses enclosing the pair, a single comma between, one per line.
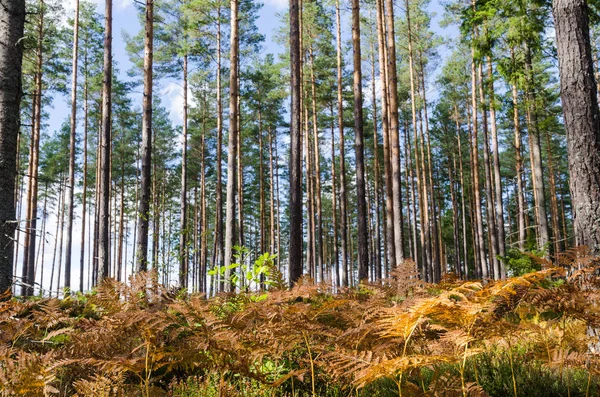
(535,334)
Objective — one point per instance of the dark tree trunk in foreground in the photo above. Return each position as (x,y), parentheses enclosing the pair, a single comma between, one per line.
(12,20)
(582,117)
(295,248)
(363,239)
(104,204)
(144,207)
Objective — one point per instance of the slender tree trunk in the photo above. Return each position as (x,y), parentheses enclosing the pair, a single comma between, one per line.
(30,242)
(218,248)
(203,227)
(377,231)
(582,118)
(121,222)
(233,138)
(436,249)
(104,228)
(317,164)
(363,238)
(536,154)
(58,212)
(521,209)
(261,182)
(240,174)
(478,205)
(455,212)
(271,196)
(295,245)
(183,249)
(334,203)
(554,215)
(85,170)
(144,204)
(462,197)
(72,142)
(61,234)
(489,196)
(394,132)
(343,185)
(496,164)
(43,245)
(383,76)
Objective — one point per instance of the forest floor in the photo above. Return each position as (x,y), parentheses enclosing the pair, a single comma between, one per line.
(530,335)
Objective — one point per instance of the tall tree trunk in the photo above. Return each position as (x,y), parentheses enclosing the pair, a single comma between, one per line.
(489,196)
(317,164)
(85,170)
(343,185)
(363,238)
(122,231)
(455,211)
(334,203)
(12,20)
(218,247)
(104,227)
(582,118)
(203,234)
(463,195)
(183,233)
(478,205)
(144,204)
(554,215)
(394,133)
(521,209)
(240,173)
(272,196)
(496,164)
(423,205)
(261,182)
(43,244)
(436,248)
(295,246)
(72,142)
(61,234)
(389,199)
(536,154)
(233,138)
(58,212)
(30,241)
(376,173)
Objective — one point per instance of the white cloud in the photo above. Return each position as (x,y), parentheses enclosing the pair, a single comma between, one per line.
(172,96)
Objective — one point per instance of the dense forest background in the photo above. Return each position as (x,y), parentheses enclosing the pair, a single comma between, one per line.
(476,175)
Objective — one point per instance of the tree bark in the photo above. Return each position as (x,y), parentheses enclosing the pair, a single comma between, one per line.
(183,233)
(72,142)
(363,238)
(582,117)
(233,138)
(394,134)
(144,204)
(295,245)
(343,185)
(104,226)
(12,20)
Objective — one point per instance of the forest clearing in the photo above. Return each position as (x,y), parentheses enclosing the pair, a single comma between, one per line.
(299,198)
